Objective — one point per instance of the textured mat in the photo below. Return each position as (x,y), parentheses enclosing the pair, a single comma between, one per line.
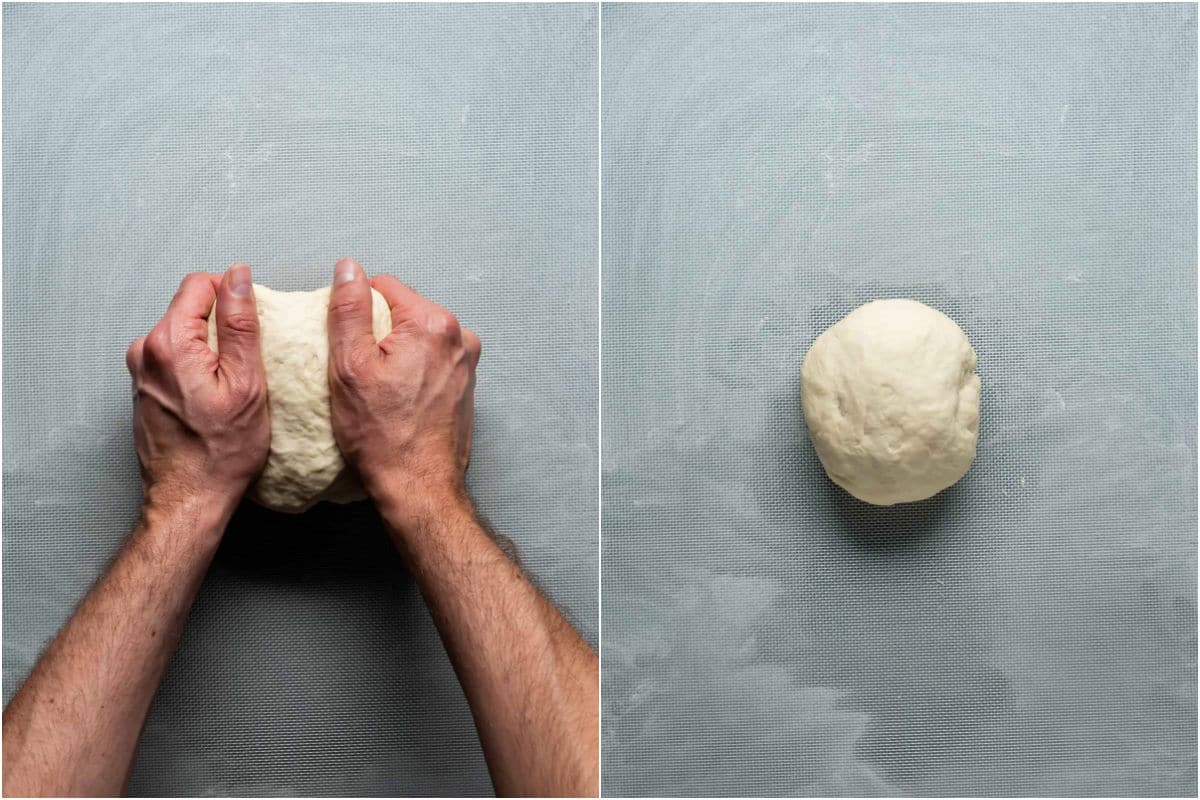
(1029,170)
(455,147)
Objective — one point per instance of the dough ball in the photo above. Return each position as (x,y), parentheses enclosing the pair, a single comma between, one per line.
(891,399)
(304,466)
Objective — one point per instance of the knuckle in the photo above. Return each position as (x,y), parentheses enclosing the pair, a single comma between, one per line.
(193,280)
(133,354)
(347,306)
(241,322)
(445,324)
(158,345)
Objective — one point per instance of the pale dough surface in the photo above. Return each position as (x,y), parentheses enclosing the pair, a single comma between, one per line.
(891,399)
(304,466)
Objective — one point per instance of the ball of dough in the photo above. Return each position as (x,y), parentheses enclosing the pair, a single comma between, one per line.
(891,399)
(304,465)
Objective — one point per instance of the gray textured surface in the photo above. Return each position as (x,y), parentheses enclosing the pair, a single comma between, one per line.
(455,147)
(1029,170)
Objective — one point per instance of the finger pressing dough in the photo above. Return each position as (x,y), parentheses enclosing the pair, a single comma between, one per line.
(891,399)
(304,465)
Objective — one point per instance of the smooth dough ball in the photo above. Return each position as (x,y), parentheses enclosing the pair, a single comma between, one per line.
(891,399)
(304,466)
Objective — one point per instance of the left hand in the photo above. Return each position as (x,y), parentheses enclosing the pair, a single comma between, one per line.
(200,419)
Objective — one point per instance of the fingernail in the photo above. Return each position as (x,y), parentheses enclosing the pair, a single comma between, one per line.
(345,271)
(239,280)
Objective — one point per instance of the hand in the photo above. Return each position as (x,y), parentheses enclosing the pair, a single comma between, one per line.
(200,419)
(403,407)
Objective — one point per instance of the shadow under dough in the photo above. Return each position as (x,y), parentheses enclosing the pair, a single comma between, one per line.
(329,538)
(883,528)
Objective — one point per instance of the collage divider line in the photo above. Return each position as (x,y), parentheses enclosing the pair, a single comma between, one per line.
(600,394)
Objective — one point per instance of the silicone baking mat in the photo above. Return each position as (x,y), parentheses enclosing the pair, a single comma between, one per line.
(454,147)
(1029,170)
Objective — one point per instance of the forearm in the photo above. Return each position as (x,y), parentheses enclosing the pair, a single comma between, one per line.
(530,679)
(73,727)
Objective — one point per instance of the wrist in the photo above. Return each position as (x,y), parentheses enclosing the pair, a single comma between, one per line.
(414,504)
(202,513)
(438,534)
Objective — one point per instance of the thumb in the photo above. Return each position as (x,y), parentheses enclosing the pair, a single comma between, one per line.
(237,323)
(349,308)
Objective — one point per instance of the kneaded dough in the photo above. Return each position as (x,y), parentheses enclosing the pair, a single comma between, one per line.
(304,466)
(891,399)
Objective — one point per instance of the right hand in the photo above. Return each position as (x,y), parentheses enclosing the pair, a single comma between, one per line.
(402,408)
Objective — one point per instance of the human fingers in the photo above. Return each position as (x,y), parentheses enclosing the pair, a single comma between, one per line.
(238,339)
(349,306)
